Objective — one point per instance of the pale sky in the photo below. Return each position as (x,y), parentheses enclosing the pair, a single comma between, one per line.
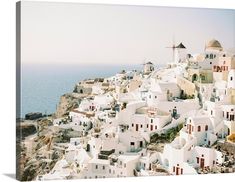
(72,33)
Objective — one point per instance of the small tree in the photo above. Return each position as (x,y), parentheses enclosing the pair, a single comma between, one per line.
(172,136)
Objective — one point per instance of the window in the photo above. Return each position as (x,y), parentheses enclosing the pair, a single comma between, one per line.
(231,78)
(132,143)
(199,128)
(173,168)
(198,160)
(103,167)
(181,170)
(206,127)
(155,97)
(124,164)
(155,127)
(141,126)
(109,170)
(96,166)
(151,120)
(150,96)
(147,125)
(132,124)
(211,112)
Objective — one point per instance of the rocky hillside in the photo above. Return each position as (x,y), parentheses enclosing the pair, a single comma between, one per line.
(68,102)
(25,129)
(37,154)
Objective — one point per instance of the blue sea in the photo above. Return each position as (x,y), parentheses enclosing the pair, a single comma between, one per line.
(42,85)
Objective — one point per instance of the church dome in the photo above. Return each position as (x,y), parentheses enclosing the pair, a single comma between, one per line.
(214,44)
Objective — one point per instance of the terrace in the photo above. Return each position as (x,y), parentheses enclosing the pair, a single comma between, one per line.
(151,111)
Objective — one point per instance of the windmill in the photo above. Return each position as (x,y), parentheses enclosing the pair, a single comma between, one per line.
(173,47)
(179,48)
(181,53)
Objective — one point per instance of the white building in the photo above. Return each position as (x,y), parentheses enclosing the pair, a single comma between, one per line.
(148,67)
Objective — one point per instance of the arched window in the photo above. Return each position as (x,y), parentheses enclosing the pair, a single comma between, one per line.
(199,128)
(206,127)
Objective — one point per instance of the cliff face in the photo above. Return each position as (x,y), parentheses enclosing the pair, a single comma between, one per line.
(38,154)
(67,103)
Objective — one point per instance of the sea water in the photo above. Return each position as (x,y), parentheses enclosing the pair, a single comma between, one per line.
(42,85)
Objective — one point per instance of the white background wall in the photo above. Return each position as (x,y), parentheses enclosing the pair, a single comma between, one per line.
(7,80)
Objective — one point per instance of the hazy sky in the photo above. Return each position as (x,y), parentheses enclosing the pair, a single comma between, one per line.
(71,33)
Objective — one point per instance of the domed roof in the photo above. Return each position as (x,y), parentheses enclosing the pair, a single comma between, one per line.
(214,44)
